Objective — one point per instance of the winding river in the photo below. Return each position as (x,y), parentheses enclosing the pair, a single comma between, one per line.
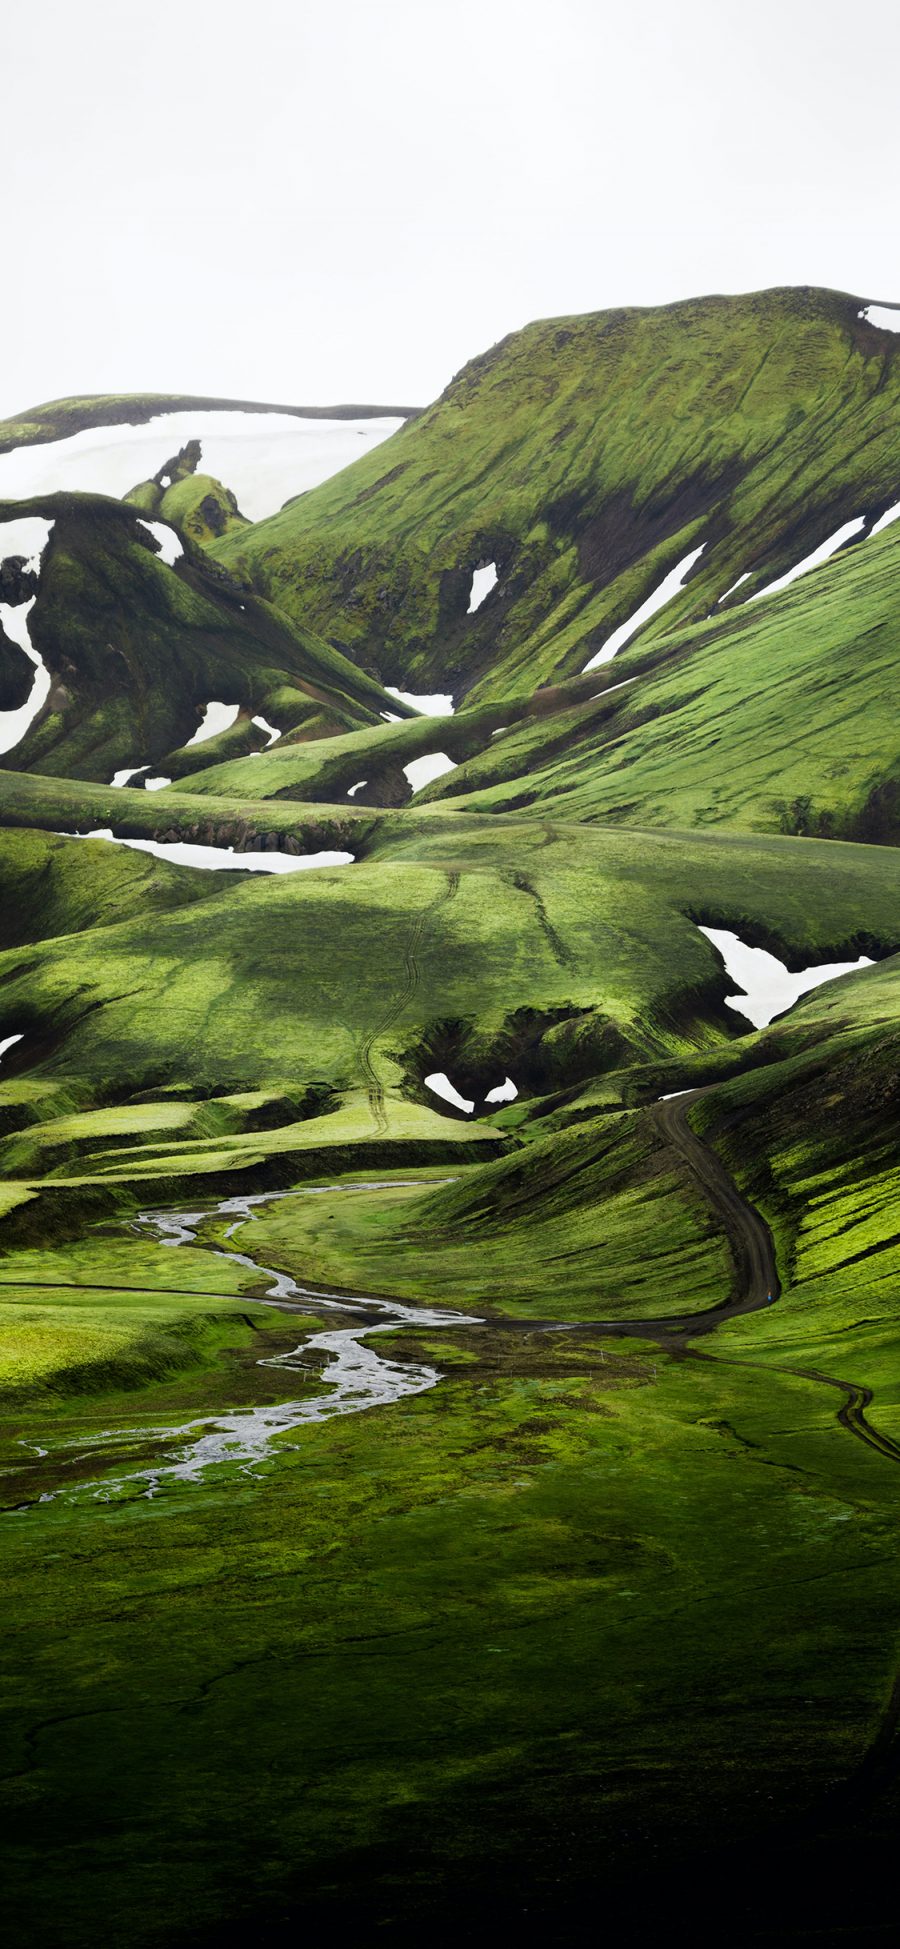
(357,1374)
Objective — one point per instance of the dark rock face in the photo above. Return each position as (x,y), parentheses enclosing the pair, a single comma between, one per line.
(180,466)
(214,515)
(18,583)
(16,674)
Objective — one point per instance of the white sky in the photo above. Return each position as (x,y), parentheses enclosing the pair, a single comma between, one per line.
(348,200)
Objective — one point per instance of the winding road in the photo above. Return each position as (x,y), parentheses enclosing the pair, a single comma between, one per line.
(758,1285)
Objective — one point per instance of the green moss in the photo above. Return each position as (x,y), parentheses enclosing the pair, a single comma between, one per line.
(202,508)
(136,648)
(586,456)
(549,955)
(776,716)
(577,1570)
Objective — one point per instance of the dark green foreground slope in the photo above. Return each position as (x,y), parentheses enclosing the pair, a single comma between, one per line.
(599,1636)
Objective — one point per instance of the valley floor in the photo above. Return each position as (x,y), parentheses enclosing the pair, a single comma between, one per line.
(595,1623)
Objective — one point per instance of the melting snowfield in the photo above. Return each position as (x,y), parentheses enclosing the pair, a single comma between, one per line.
(483,581)
(265,458)
(818,555)
(125,776)
(26,537)
(886,317)
(14,724)
(885,519)
(182,853)
(505,1092)
(438,704)
(439,1083)
(441,1086)
(421,771)
(673,583)
(735,585)
(169,547)
(768,988)
(216,719)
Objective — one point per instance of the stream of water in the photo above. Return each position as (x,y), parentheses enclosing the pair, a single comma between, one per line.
(358,1375)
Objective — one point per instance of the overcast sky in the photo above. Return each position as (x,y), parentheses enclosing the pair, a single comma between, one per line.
(347,200)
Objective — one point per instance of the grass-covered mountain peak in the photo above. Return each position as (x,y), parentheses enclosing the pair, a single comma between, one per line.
(585,457)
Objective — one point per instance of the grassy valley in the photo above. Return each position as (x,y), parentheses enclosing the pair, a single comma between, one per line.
(450,1426)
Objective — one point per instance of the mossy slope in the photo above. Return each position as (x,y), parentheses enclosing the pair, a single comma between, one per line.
(586,456)
(553,955)
(778,715)
(136,648)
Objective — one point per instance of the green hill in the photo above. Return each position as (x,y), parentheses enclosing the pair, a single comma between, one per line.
(136,648)
(586,457)
(779,716)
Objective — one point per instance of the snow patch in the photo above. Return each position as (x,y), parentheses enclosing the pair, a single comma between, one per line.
(668,588)
(170,548)
(886,317)
(483,581)
(440,704)
(265,458)
(610,688)
(421,771)
(442,1086)
(124,777)
(28,535)
(14,724)
(820,554)
(768,987)
(216,718)
(155,784)
(885,519)
(729,592)
(357,787)
(391,718)
(262,725)
(181,853)
(503,1093)
(8,1041)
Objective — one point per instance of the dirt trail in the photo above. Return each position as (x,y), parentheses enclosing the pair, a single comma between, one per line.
(374,1085)
(756,1271)
(752,1247)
